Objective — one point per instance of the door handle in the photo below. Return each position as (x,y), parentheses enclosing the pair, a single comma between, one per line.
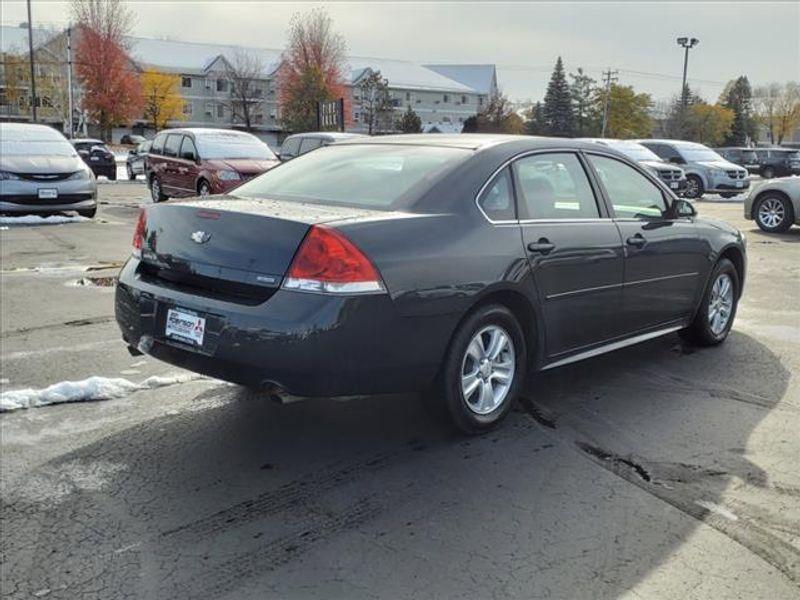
(637,240)
(543,246)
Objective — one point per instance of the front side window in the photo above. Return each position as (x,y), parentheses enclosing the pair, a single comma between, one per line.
(497,199)
(158,144)
(186,82)
(632,194)
(377,176)
(172,145)
(554,186)
(188,151)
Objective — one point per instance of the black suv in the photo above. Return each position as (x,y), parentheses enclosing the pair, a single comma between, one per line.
(778,162)
(744,157)
(96,154)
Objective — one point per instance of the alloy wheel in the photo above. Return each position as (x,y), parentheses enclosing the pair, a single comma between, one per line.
(771,213)
(204,189)
(692,188)
(155,190)
(720,303)
(487,369)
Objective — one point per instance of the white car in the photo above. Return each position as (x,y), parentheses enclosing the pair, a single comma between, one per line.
(774,204)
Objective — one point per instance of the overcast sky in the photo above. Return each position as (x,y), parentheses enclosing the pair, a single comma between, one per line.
(761,40)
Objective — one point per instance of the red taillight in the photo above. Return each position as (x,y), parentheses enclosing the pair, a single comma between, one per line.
(138,233)
(328,262)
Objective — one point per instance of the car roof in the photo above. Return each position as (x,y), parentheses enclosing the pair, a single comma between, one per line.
(475,141)
(201,131)
(331,135)
(87,141)
(43,132)
(679,143)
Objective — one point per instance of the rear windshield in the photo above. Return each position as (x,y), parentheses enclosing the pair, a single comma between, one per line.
(36,148)
(370,175)
(232,145)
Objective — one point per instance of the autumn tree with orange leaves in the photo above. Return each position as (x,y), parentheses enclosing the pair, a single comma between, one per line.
(111,89)
(313,70)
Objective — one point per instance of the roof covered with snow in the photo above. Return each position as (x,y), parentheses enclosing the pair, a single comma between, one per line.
(15,39)
(481,78)
(406,74)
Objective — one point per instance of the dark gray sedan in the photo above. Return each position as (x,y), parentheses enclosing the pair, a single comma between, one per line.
(456,265)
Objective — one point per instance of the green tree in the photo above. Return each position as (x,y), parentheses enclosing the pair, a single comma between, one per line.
(497,117)
(676,123)
(558,113)
(738,97)
(582,92)
(410,122)
(628,112)
(535,123)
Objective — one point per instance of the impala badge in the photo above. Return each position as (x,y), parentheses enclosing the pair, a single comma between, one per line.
(201,237)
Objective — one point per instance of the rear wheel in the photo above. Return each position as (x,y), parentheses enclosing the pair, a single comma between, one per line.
(155,190)
(694,187)
(714,318)
(483,369)
(131,174)
(774,213)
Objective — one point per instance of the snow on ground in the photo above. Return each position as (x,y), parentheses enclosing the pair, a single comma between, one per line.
(38,220)
(93,388)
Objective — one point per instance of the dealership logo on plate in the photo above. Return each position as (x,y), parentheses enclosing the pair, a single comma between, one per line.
(201,237)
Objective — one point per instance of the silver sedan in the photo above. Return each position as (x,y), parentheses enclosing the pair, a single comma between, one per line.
(40,172)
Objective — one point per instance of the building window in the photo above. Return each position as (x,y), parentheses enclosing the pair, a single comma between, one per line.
(445,98)
(463,99)
(187,109)
(220,111)
(480,100)
(209,109)
(186,82)
(257,92)
(222,85)
(408,96)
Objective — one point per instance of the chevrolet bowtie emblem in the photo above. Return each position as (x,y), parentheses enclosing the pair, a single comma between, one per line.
(201,237)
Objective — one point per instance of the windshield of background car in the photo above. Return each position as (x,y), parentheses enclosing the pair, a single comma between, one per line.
(637,152)
(749,156)
(700,154)
(222,145)
(370,175)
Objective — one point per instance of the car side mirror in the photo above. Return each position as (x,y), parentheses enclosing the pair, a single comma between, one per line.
(683,208)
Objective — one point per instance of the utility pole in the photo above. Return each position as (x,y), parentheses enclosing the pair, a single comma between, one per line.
(69,80)
(686,43)
(611,77)
(33,71)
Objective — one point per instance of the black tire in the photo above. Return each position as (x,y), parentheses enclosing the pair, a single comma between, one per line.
(89,213)
(701,332)
(156,194)
(694,187)
(131,174)
(112,176)
(773,213)
(203,188)
(768,173)
(448,391)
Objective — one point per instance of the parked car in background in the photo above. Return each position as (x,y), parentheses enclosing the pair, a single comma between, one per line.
(672,176)
(455,264)
(706,171)
(135,163)
(774,204)
(96,154)
(130,139)
(200,162)
(301,143)
(778,162)
(744,157)
(41,172)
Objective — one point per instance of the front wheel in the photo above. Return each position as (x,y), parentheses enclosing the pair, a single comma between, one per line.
(774,213)
(714,318)
(694,187)
(483,370)
(155,190)
(204,189)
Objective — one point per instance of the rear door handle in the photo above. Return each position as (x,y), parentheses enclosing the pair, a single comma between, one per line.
(543,246)
(637,240)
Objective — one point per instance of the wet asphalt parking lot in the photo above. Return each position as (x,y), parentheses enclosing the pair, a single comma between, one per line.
(659,471)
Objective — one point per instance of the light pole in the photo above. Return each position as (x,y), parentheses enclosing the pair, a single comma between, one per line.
(33,70)
(687,43)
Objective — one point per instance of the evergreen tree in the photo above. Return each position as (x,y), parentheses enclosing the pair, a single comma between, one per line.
(535,123)
(738,97)
(409,122)
(582,93)
(558,104)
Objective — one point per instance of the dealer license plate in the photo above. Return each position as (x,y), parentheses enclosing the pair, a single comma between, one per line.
(739,184)
(185,326)
(673,185)
(48,193)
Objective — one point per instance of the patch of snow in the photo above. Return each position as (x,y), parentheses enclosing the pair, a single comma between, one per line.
(130,372)
(717,509)
(93,388)
(4,228)
(4,381)
(38,220)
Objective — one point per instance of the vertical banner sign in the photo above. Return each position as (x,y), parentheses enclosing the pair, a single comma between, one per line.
(330,115)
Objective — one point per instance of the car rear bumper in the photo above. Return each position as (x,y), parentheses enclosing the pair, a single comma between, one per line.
(301,343)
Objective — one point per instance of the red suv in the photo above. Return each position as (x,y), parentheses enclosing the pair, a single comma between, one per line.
(199,162)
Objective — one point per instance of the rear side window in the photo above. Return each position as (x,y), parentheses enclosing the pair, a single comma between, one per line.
(497,199)
(308,144)
(291,147)
(172,145)
(631,193)
(158,144)
(378,176)
(554,186)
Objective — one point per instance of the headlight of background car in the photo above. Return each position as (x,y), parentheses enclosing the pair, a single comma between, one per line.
(5,176)
(87,174)
(228,175)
